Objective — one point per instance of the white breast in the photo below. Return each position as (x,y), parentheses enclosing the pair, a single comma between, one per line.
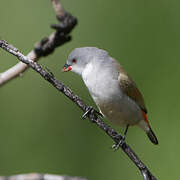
(99,82)
(105,91)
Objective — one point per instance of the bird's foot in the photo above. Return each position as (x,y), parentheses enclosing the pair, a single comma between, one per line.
(90,110)
(116,146)
(122,140)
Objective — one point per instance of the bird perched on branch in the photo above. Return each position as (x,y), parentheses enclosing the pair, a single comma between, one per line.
(113,91)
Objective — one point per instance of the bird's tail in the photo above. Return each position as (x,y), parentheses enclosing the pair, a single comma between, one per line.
(144,124)
(152,136)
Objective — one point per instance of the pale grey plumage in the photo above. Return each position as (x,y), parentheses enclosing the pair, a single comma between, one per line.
(112,89)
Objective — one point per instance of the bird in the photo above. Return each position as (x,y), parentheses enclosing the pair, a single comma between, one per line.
(112,89)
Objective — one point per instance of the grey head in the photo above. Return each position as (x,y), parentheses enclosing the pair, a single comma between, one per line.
(80,57)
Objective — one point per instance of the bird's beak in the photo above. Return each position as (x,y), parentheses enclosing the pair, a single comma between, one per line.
(66,68)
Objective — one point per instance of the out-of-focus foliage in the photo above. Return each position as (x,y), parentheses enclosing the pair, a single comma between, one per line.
(42,131)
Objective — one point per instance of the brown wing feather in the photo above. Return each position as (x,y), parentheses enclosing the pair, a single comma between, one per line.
(129,87)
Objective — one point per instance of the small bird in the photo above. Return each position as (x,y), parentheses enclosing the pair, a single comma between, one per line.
(113,91)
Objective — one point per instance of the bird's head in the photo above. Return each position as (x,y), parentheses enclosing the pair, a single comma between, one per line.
(80,57)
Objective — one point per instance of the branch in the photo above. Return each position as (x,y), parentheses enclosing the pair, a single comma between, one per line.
(48,44)
(58,7)
(73,97)
(37,176)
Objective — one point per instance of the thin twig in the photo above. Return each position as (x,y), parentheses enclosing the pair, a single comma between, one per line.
(58,7)
(37,176)
(47,45)
(92,116)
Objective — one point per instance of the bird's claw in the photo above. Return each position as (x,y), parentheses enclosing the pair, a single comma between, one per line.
(84,116)
(116,146)
(98,113)
(91,110)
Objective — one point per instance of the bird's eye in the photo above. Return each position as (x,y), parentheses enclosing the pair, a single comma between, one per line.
(74,60)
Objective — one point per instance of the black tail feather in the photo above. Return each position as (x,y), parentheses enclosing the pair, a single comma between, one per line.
(152,136)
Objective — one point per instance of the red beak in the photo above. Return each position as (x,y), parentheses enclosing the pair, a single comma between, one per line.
(67,68)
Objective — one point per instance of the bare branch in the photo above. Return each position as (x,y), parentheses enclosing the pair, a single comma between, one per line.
(58,7)
(47,45)
(92,116)
(37,176)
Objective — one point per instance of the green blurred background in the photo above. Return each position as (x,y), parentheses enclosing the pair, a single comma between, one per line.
(42,131)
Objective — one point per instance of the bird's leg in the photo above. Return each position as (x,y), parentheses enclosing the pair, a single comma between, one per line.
(116,146)
(125,132)
(90,109)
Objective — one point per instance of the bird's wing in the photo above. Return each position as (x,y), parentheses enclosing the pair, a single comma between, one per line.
(129,87)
